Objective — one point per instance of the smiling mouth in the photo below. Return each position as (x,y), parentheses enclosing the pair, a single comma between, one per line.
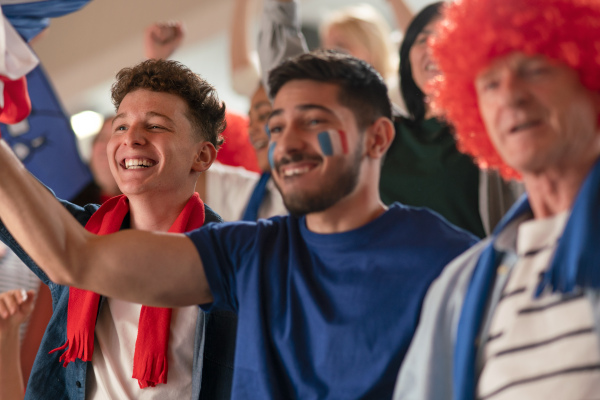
(525,126)
(431,67)
(138,163)
(295,171)
(260,144)
(297,165)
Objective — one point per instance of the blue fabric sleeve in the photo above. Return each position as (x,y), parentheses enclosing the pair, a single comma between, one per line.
(224,249)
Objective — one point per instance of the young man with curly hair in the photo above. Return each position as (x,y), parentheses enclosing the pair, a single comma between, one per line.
(165,133)
(518,315)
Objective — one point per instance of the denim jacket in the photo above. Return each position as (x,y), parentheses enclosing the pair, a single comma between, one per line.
(213,347)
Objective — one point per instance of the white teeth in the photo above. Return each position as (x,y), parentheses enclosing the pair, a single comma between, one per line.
(295,171)
(260,144)
(136,163)
(524,126)
(431,67)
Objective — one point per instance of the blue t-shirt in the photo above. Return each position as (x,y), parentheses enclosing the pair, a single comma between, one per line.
(325,316)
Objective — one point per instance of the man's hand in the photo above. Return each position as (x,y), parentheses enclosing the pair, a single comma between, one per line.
(15,307)
(161,39)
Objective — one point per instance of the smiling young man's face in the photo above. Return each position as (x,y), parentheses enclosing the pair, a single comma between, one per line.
(152,147)
(537,113)
(309,180)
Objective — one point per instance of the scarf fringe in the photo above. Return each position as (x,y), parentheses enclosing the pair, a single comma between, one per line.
(75,350)
(152,371)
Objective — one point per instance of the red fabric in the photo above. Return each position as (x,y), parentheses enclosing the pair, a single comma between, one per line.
(104,198)
(150,365)
(237,150)
(17,104)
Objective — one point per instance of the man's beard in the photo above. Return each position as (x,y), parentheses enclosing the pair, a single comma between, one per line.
(343,183)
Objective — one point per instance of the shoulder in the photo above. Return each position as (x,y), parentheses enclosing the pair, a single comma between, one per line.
(426,372)
(423,221)
(232,231)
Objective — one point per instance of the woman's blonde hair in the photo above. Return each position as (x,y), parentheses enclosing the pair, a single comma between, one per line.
(362,23)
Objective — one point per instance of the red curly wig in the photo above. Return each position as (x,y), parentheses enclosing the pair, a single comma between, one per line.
(473,33)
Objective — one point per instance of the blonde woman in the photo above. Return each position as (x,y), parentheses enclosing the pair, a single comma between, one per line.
(360,30)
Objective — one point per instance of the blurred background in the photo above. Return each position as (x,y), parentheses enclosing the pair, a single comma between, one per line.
(82,51)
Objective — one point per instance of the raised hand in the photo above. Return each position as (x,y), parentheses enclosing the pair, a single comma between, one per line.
(15,307)
(161,39)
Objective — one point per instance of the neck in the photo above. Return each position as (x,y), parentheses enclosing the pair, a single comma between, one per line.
(554,191)
(154,212)
(110,191)
(428,112)
(358,208)
(201,185)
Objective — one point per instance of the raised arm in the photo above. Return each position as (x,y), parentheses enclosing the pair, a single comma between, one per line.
(402,13)
(157,269)
(239,52)
(280,36)
(244,74)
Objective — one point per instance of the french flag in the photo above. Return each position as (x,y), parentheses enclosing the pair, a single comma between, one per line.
(333,142)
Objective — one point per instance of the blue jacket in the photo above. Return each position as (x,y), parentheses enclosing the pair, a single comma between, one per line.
(213,348)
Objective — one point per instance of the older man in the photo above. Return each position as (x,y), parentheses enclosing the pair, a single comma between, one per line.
(327,298)
(518,316)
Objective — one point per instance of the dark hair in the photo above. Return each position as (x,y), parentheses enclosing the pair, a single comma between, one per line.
(205,111)
(362,89)
(413,97)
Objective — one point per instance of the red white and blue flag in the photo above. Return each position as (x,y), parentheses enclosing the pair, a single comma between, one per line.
(333,142)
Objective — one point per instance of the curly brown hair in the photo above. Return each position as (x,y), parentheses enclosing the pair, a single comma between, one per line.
(205,111)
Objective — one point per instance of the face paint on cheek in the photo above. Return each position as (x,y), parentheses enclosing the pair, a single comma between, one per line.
(268,131)
(271,151)
(333,142)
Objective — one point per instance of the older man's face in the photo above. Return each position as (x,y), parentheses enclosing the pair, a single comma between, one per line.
(538,114)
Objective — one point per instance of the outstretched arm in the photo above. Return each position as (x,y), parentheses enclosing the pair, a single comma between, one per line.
(158,269)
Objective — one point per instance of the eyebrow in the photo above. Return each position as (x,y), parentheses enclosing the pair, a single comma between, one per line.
(260,104)
(148,114)
(155,114)
(301,107)
(120,115)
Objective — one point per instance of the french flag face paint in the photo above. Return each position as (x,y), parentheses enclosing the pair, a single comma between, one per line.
(333,142)
(271,151)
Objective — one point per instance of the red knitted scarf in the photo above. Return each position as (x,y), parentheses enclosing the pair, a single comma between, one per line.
(150,357)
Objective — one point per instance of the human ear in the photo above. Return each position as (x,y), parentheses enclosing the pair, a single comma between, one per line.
(205,155)
(379,137)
